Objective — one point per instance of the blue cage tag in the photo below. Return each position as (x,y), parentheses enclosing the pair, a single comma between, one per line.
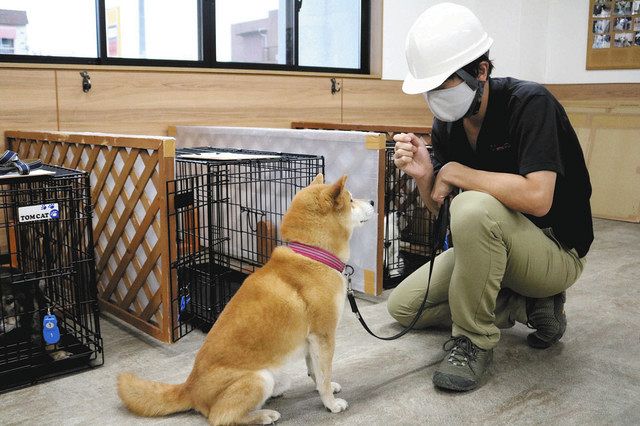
(184,301)
(50,330)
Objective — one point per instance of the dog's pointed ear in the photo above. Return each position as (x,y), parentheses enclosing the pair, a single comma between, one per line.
(318,180)
(336,189)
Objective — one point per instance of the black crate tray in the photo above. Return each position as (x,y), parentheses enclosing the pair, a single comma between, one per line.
(202,311)
(26,363)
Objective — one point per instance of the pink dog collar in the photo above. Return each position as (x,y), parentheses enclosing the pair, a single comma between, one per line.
(319,255)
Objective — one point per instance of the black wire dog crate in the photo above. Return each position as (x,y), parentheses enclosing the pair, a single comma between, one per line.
(227,206)
(408,225)
(49,313)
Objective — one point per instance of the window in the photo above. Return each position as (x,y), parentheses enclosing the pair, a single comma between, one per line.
(6,46)
(295,35)
(63,28)
(152,29)
(252,31)
(298,34)
(329,33)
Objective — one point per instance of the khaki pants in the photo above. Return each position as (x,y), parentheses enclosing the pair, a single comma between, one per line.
(479,286)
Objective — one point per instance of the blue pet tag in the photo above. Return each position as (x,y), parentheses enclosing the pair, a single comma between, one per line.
(50,330)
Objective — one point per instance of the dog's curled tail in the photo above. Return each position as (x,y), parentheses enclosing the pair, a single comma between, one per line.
(147,398)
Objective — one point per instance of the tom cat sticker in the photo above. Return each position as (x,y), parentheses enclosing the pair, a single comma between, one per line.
(38,212)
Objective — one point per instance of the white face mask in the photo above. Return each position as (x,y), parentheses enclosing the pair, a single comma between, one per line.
(450,104)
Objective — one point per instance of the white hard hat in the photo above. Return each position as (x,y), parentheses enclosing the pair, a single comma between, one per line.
(443,39)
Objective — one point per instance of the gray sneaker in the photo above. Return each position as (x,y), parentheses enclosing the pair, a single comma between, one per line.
(547,317)
(463,367)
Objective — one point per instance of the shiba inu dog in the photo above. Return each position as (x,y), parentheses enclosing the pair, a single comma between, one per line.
(291,305)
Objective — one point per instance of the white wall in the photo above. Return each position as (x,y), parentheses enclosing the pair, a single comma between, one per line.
(542,40)
(501,19)
(534,36)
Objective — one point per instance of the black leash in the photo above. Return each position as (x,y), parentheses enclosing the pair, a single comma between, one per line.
(437,240)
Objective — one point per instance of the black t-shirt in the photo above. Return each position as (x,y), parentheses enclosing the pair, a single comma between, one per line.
(525,130)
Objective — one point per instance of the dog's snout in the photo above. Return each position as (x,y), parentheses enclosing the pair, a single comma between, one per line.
(372,203)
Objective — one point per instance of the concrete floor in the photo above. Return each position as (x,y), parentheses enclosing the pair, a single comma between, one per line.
(591,377)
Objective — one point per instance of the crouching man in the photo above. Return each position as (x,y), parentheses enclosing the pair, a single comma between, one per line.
(522,225)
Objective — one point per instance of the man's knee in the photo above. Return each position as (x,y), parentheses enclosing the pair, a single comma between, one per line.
(471,208)
(397,306)
(401,306)
(404,311)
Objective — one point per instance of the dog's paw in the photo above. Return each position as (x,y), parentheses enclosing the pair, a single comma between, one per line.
(268,417)
(337,405)
(336,387)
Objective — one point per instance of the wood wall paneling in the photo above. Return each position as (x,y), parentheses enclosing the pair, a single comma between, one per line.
(614,166)
(612,154)
(147,103)
(27,100)
(597,93)
(623,98)
(382,102)
(582,125)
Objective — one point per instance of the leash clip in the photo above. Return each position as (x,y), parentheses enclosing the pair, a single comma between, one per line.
(348,272)
(351,296)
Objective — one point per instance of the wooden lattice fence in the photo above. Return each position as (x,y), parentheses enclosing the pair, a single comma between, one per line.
(128,182)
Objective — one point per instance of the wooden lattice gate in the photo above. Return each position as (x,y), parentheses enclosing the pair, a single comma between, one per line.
(128,190)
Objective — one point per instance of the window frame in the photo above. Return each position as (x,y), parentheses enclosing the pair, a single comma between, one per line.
(6,47)
(207,46)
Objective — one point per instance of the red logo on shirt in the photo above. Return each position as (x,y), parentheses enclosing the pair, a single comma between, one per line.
(498,148)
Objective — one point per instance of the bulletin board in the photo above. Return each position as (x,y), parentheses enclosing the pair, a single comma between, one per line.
(614,34)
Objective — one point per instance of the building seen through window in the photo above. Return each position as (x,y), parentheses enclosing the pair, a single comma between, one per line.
(13,32)
(263,31)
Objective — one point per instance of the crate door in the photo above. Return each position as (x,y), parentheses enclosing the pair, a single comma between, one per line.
(198,246)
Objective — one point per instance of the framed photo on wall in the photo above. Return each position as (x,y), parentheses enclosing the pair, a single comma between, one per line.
(614,34)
